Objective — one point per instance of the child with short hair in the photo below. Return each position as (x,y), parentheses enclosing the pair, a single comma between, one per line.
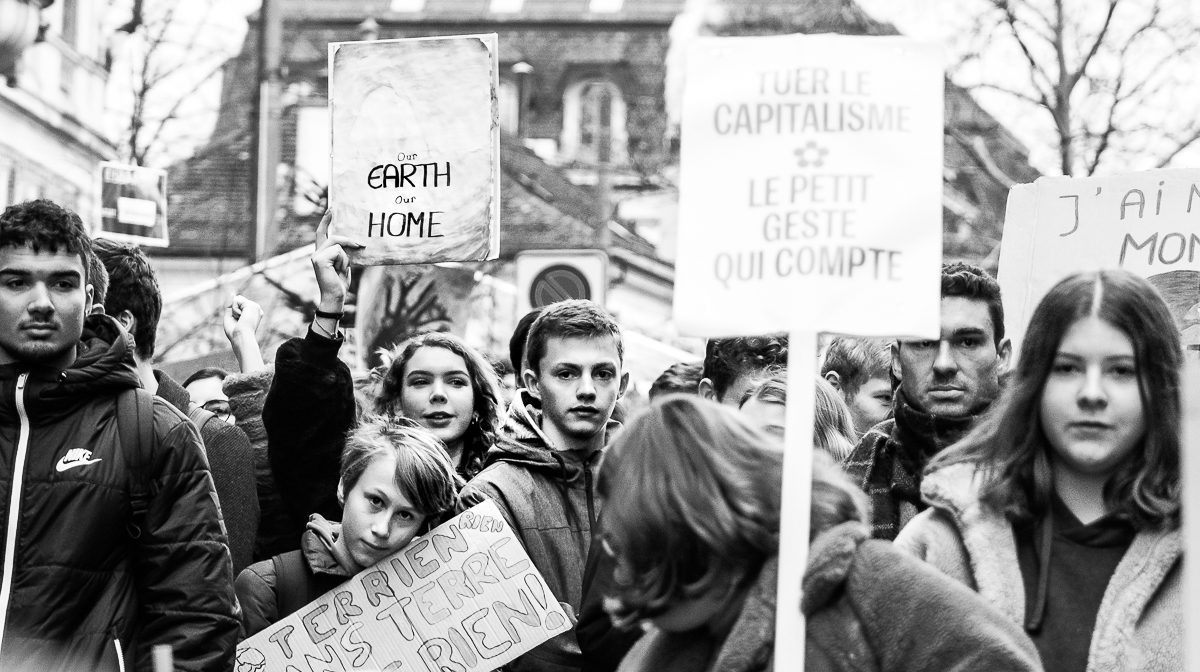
(396,481)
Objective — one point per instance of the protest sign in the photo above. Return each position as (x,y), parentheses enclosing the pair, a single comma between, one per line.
(416,148)
(811,173)
(463,597)
(133,204)
(810,200)
(1147,223)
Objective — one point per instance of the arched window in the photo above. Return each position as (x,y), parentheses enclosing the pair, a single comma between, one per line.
(594,123)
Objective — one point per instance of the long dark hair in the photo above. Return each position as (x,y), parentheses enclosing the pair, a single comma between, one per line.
(485,422)
(1010,446)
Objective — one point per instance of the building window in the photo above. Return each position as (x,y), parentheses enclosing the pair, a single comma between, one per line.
(407,5)
(509,96)
(605,6)
(594,123)
(505,6)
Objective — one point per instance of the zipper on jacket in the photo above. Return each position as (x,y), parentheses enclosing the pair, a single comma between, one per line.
(14,510)
(120,655)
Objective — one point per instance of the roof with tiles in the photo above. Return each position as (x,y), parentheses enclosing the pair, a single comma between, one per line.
(655,11)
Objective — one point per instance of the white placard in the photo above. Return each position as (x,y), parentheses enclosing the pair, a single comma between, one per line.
(1147,223)
(416,148)
(811,186)
(810,200)
(463,596)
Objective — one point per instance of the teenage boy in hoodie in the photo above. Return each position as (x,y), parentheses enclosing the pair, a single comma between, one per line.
(541,475)
(113,539)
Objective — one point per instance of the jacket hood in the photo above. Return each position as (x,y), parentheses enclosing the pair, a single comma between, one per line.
(317,545)
(522,442)
(103,365)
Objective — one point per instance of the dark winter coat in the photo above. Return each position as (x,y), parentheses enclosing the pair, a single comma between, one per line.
(308,411)
(257,584)
(547,498)
(90,589)
(232,465)
(868,607)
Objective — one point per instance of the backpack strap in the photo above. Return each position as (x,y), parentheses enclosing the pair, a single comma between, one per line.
(135,429)
(293,583)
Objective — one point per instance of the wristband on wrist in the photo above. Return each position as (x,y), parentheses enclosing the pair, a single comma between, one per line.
(329,316)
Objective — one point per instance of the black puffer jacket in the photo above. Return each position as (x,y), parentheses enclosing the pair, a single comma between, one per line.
(81,592)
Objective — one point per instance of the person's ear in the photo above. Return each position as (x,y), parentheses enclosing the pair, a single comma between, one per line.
(97,309)
(1005,354)
(834,379)
(127,320)
(897,369)
(706,390)
(624,385)
(531,383)
(341,492)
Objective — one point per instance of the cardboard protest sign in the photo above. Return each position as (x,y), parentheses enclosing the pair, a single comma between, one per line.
(133,204)
(464,596)
(810,200)
(1147,223)
(811,173)
(416,148)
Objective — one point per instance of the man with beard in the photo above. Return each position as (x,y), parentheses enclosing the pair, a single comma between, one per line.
(945,386)
(541,474)
(112,533)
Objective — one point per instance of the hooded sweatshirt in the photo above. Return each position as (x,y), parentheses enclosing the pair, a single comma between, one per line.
(1139,625)
(547,496)
(91,588)
(258,584)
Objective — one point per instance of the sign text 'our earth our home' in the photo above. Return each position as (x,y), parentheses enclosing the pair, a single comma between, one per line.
(1164,248)
(407,172)
(810,216)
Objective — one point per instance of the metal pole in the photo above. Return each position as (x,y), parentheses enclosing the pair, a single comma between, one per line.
(266,230)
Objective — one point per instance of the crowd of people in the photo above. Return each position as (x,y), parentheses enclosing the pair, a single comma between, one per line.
(967,514)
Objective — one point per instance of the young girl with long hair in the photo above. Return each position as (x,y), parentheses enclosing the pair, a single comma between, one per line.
(447,387)
(394,483)
(691,517)
(1062,508)
(433,379)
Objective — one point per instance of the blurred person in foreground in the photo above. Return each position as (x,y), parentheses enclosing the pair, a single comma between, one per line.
(697,562)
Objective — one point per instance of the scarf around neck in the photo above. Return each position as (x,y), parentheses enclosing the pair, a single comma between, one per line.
(917,437)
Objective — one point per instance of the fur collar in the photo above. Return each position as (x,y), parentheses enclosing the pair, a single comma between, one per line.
(992,552)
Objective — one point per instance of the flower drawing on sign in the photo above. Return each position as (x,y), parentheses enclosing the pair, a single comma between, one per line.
(250,659)
(811,154)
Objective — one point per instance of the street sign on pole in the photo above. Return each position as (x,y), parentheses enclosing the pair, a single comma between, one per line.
(549,276)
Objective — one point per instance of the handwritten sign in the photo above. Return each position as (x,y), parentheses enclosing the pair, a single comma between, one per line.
(811,186)
(1147,223)
(462,597)
(810,200)
(133,204)
(416,148)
